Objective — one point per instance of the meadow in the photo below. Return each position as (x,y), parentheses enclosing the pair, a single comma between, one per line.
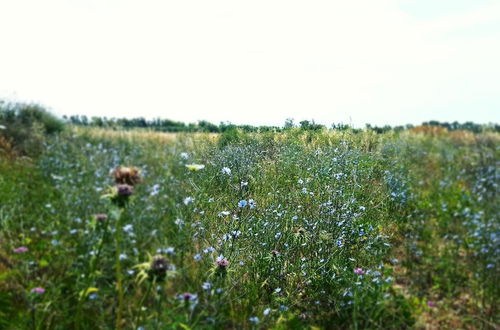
(281,230)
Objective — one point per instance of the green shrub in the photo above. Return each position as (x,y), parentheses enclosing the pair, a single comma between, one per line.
(26,126)
(232,136)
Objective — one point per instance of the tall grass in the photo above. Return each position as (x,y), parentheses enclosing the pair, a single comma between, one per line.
(319,228)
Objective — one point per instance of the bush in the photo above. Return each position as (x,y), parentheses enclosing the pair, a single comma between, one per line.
(25,126)
(232,136)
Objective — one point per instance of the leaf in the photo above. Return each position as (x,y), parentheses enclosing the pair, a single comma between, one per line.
(84,294)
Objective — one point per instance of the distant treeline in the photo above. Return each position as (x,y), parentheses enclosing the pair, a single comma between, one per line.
(167,125)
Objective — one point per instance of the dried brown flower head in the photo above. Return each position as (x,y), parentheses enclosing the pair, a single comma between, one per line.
(127,175)
(159,267)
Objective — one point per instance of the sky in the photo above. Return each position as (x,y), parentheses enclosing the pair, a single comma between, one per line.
(255,62)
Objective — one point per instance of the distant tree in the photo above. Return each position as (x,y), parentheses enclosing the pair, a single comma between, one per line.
(289,123)
(205,126)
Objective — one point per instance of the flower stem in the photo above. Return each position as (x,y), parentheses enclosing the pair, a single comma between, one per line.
(118,268)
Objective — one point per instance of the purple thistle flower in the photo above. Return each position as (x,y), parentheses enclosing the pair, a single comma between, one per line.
(186,296)
(124,190)
(101,216)
(222,262)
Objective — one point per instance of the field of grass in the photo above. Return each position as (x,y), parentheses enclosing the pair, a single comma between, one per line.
(291,230)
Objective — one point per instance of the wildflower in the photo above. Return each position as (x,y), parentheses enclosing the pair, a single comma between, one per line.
(275,252)
(277,290)
(254,319)
(206,286)
(223,213)
(124,190)
(226,170)
(21,249)
(195,167)
(242,203)
(155,190)
(38,290)
(188,200)
(127,175)
(184,155)
(190,299)
(128,228)
(252,203)
(197,257)
(210,249)
(266,311)
(123,256)
(221,262)
(359,271)
(158,268)
(100,216)
(431,304)
(186,296)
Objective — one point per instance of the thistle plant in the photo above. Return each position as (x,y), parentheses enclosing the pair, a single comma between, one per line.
(125,179)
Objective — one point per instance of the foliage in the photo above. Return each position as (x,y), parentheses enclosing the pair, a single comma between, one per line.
(166,125)
(296,229)
(25,126)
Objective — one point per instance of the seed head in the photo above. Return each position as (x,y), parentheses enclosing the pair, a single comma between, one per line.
(159,267)
(127,175)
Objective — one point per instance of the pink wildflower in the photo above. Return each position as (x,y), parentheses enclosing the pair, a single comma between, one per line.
(359,271)
(21,249)
(101,216)
(38,290)
(222,262)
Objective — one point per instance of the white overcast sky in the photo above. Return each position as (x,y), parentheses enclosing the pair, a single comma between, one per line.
(256,62)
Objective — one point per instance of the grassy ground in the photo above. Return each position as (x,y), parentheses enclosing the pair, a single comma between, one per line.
(319,229)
